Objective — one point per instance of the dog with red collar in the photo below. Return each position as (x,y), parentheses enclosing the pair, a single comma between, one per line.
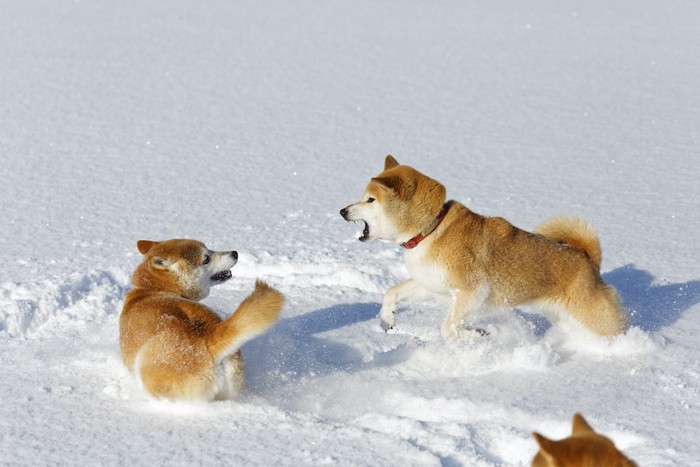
(479,263)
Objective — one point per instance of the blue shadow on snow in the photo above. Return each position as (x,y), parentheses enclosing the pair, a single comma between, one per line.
(293,350)
(652,306)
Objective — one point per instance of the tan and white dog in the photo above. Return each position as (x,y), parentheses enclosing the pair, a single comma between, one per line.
(178,348)
(584,448)
(480,263)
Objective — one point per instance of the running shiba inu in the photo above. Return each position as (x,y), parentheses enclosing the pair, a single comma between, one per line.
(584,448)
(480,262)
(178,348)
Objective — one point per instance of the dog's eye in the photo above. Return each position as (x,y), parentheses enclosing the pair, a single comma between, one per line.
(370,200)
(207,258)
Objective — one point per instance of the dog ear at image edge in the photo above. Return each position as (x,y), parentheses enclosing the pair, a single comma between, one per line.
(144,246)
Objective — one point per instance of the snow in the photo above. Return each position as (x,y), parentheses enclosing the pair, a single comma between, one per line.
(248,125)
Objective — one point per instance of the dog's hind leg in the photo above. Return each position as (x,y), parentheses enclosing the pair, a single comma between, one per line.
(173,367)
(406,291)
(231,377)
(599,310)
(464,304)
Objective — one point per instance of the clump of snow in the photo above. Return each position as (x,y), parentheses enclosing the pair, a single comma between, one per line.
(53,306)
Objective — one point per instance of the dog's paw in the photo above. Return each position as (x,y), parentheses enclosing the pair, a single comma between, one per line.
(451,332)
(387,318)
(481,332)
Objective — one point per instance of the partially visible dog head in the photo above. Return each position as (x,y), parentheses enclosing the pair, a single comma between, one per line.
(584,448)
(397,204)
(183,267)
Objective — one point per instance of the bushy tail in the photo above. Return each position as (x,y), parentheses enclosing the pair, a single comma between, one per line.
(255,315)
(576,233)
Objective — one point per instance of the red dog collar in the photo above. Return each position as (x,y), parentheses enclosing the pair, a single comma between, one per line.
(412,243)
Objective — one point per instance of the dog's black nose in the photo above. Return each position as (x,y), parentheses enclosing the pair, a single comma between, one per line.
(344,212)
(234,254)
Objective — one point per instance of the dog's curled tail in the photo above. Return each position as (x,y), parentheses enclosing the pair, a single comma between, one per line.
(255,315)
(575,232)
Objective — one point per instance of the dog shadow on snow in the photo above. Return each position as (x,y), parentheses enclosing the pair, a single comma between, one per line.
(293,350)
(652,306)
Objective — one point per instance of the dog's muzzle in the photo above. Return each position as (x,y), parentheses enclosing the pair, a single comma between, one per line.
(365,231)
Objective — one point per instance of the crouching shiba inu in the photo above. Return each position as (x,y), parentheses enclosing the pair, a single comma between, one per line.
(583,448)
(482,262)
(177,347)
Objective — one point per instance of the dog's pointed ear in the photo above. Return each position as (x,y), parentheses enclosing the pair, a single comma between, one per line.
(390,162)
(547,448)
(580,425)
(391,184)
(144,246)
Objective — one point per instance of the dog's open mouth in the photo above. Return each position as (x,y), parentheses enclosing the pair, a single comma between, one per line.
(221,276)
(365,233)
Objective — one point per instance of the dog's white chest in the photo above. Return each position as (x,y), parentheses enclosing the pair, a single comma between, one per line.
(428,274)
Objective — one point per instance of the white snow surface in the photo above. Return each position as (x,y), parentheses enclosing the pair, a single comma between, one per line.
(248,125)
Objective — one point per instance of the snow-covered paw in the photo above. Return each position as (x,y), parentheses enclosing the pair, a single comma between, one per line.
(475,331)
(453,332)
(387,318)
(449,331)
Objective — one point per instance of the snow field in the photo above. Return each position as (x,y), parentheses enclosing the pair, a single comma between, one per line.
(333,369)
(248,125)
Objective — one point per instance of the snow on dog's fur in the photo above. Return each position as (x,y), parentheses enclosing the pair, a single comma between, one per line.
(479,262)
(177,347)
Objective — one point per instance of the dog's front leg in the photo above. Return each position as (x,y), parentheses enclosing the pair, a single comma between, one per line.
(464,304)
(406,291)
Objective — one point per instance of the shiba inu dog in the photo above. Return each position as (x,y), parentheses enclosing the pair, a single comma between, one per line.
(178,348)
(480,263)
(584,448)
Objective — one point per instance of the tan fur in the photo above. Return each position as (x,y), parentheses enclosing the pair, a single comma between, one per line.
(584,448)
(575,232)
(179,348)
(485,262)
